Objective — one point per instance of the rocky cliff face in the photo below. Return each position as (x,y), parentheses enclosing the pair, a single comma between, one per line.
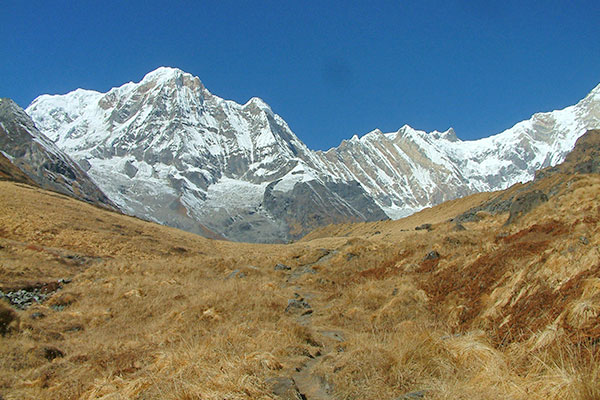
(23,148)
(168,150)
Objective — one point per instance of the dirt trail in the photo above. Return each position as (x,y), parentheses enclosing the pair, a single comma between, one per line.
(310,385)
(305,383)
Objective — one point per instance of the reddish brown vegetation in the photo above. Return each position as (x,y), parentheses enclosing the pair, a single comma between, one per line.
(537,232)
(533,312)
(387,268)
(471,284)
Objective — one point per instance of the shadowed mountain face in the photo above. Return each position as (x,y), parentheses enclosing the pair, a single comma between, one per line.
(10,172)
(168,150)
(39,160)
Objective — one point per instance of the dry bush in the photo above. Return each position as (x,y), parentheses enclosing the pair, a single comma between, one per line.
(8,318)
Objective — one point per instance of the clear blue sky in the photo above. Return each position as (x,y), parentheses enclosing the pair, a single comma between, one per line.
(331,69)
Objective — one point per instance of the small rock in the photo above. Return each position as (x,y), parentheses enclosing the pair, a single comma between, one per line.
(298,272)
(50,353)
(296,304)
(74,328)
(395,291)
(335,335)
(285,388)
(426,227)
(584,240)
(236,274)
(37,315)
(432,255)
(282,267)
(412,395)
(23,298)
(459,227)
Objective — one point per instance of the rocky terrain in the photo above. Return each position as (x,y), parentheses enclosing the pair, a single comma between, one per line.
(168,150)
(28,156)
(495,295)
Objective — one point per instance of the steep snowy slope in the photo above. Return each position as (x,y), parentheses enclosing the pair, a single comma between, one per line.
(410,169)
(28,150)
(167,149)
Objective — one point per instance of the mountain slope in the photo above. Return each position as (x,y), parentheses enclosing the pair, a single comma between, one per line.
(378,310)
(10,172)
(410,169)
(28,150)
(168,150)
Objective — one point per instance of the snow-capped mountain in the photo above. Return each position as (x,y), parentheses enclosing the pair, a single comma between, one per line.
(167,149)
(408,170)
(24,148)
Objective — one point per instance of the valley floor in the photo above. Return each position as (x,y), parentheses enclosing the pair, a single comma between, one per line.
(134,310)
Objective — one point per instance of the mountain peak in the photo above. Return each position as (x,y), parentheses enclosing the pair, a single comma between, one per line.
(163,73)
(10,111)
(375,132)
(172,76)
(448,135)
(406,130)
(9,104)
(595,93)
(258,102)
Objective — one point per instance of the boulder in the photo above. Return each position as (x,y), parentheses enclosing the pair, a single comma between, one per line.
(432,255)
(282,267)
(426,227)
(524,203)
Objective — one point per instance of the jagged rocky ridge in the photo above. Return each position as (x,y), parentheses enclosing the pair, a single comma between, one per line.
(167,149)
(27,156)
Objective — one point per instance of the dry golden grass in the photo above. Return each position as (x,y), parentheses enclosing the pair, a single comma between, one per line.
(394,230)
(155,313)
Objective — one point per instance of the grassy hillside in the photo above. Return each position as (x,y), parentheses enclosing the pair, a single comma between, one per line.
(473,308)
